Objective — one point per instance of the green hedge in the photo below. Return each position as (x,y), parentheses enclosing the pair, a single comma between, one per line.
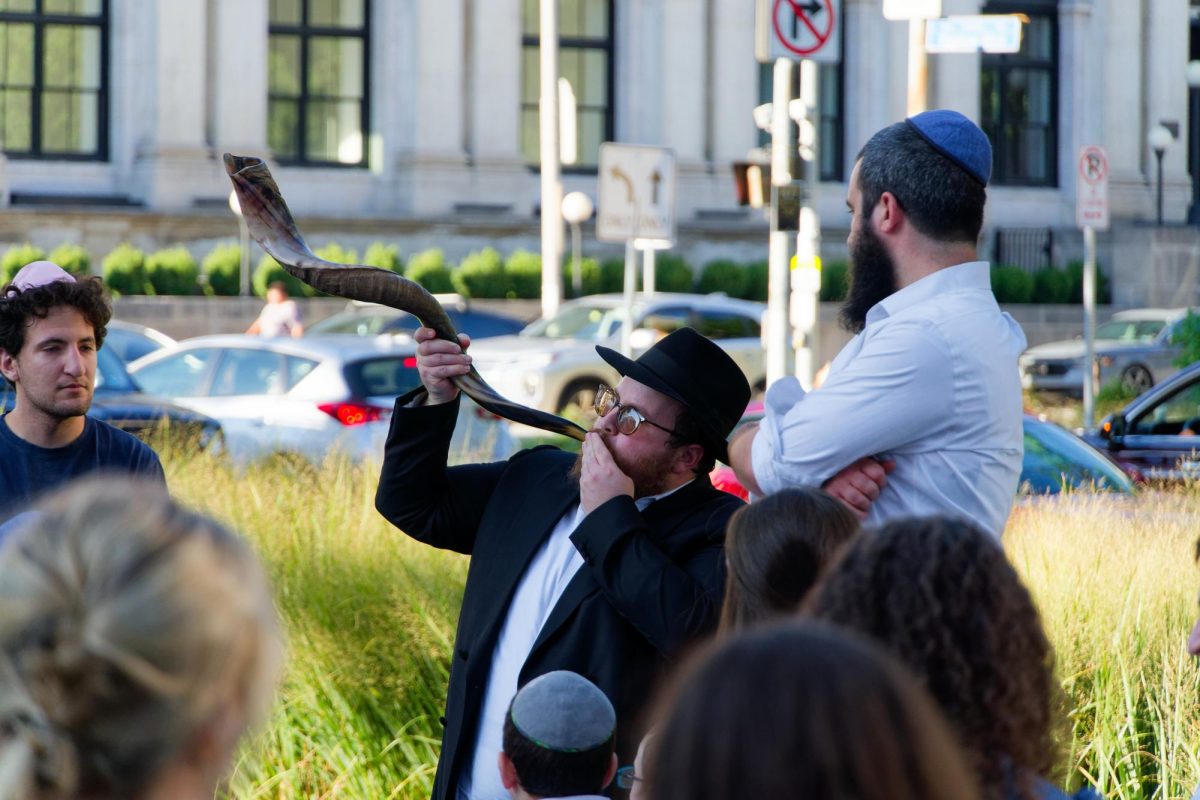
(124,270)
(481,274)
(672,274)
(384,256)
(172,271)
(835,281)
(725,276)
(429,269)
(74,258)
(17,257)
(268,271)
(524,273)
(222,269)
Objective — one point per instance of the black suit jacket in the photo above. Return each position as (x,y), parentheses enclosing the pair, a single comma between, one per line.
(651,581)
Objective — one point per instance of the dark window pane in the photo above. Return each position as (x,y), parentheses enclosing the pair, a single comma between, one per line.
(570,20)
(283,128)
(285,12)
(591,135)
(335,13)
(283,65)
(71,57)
(595,18)
(85,8)
(530,14)
(381,377)
(69,122)
(17,5)
(334,131)
(17,113)
(530,77)
(335,67)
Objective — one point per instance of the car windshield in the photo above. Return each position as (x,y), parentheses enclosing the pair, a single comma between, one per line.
(1055,458)
(584,322)
(111,375)
(1130,330)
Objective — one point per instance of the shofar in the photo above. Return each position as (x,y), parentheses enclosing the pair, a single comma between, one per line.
(272,226)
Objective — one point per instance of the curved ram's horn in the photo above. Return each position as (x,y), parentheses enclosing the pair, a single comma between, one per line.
(272,226)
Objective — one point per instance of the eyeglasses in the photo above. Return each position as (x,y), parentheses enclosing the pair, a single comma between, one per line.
(626,778)
(629,419)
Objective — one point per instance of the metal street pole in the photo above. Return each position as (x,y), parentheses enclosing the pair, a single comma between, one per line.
(806,277)
(244,251)
(918,68)
(630,284)
(777,340)
(1193,80)
(1158,156)
(552,221)
(648,276)
(1089,327)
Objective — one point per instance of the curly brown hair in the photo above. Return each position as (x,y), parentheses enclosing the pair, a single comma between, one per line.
(18,312)
(941,595)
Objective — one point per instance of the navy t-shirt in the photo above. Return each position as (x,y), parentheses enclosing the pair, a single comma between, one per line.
(26,470)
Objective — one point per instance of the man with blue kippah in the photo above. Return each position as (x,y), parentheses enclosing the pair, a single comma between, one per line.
(928,388)
(559,740)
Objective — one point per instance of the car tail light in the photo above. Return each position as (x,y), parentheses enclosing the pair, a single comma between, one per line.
(410,362)
(350,414)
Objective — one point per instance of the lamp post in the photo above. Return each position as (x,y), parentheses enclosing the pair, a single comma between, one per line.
(576,209)
(1160,138)
(243,245)
(1193,80)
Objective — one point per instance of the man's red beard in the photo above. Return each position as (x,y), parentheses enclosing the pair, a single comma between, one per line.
(649,474)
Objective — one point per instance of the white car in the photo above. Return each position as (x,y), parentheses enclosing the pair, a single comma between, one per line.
(553,365)
(309,397)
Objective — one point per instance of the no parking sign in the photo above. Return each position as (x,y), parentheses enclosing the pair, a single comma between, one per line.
(799,29)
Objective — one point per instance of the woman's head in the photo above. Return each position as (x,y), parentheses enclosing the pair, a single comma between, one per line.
(776,549)
(941,596)
(803,710)
(133,634)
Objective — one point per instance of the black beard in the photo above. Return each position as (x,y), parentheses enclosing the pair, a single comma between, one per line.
(872,278)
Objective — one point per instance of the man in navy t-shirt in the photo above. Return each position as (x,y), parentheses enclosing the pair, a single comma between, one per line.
(51,326)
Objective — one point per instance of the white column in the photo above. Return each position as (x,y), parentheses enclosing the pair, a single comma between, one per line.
(172,163)
(240,76)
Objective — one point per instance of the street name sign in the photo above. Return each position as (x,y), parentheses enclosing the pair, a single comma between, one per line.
(988,33)
(637,193)
(1091,194)
(798,29)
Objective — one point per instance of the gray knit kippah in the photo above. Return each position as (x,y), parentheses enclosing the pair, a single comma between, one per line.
(564,712)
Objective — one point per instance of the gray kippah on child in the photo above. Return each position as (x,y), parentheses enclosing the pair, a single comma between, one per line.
(564,712)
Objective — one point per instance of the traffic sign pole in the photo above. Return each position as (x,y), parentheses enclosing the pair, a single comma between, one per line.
(630,282)
(806,275)
(777,343)
(552,221)
(1089,327)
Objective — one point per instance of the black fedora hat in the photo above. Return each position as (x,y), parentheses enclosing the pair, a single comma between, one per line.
(692,369)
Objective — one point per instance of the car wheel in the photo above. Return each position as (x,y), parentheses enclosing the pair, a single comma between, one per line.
(578,401)
(1137,378)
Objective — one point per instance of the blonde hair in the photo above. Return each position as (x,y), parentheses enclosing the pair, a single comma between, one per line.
(126,624)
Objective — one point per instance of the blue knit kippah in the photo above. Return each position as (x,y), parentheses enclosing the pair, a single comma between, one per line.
(564,712)
(958,139)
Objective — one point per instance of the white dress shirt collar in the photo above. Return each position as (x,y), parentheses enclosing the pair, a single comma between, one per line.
(972,275)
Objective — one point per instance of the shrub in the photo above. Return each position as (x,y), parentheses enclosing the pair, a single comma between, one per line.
(524,271)
(725,276)
(223,267)
(673,274)
(1187,336)
(172,271)
(429,269)
(612,275)
(835,281)
(74,258)
(124,270)
(384,256)
(17,257)
(1051,285)
(1113,396)
(757,275)
(481,274)
(590,273)
(1103,289)
(1012,285)
(268,271)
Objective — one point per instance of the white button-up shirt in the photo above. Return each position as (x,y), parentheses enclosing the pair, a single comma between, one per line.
(538,591)
(931,382)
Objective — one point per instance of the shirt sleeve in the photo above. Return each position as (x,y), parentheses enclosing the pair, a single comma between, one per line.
(897,391)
